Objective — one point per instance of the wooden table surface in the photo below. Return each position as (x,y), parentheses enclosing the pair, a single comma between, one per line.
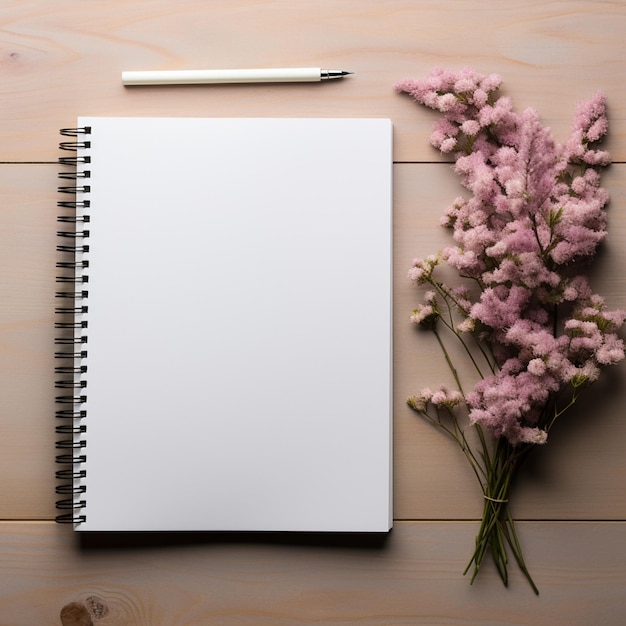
(64,58)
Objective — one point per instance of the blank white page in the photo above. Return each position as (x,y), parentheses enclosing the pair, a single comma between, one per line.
(239,325)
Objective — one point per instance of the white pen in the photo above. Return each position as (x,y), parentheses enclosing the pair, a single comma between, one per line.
(195,77)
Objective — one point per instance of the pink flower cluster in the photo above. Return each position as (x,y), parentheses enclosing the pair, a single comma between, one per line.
(536,213)
(442,397)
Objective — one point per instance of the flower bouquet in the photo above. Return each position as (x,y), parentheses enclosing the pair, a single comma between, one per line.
(523,310)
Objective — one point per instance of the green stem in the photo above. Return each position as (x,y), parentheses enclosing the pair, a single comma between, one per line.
(458,436)
(447,297)
(497,528)
(455,374)
(461,439)
(558,412)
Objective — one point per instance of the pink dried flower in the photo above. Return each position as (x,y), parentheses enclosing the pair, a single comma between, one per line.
(533,215)
(425,316)
(611,351)
(421,269)
(448,144)
(537,367)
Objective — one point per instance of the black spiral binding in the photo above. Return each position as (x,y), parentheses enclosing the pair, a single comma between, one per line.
(71,325)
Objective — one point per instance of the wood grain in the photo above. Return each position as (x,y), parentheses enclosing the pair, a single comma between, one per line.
(413,578)
(64,58)
(27,257)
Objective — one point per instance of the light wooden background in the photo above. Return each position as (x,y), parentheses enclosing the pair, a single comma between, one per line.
(64,58)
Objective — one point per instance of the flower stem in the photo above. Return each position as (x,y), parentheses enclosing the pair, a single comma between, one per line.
(497,529)
(455,374)
(447,297)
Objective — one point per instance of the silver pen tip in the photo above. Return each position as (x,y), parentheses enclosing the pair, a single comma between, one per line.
(327,74)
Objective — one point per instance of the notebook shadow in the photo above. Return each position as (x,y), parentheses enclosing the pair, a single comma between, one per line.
(122,540)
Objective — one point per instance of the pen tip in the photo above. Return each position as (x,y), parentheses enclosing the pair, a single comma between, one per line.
(326,74)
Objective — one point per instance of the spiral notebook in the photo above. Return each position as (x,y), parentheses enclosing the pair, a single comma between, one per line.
(224,322)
